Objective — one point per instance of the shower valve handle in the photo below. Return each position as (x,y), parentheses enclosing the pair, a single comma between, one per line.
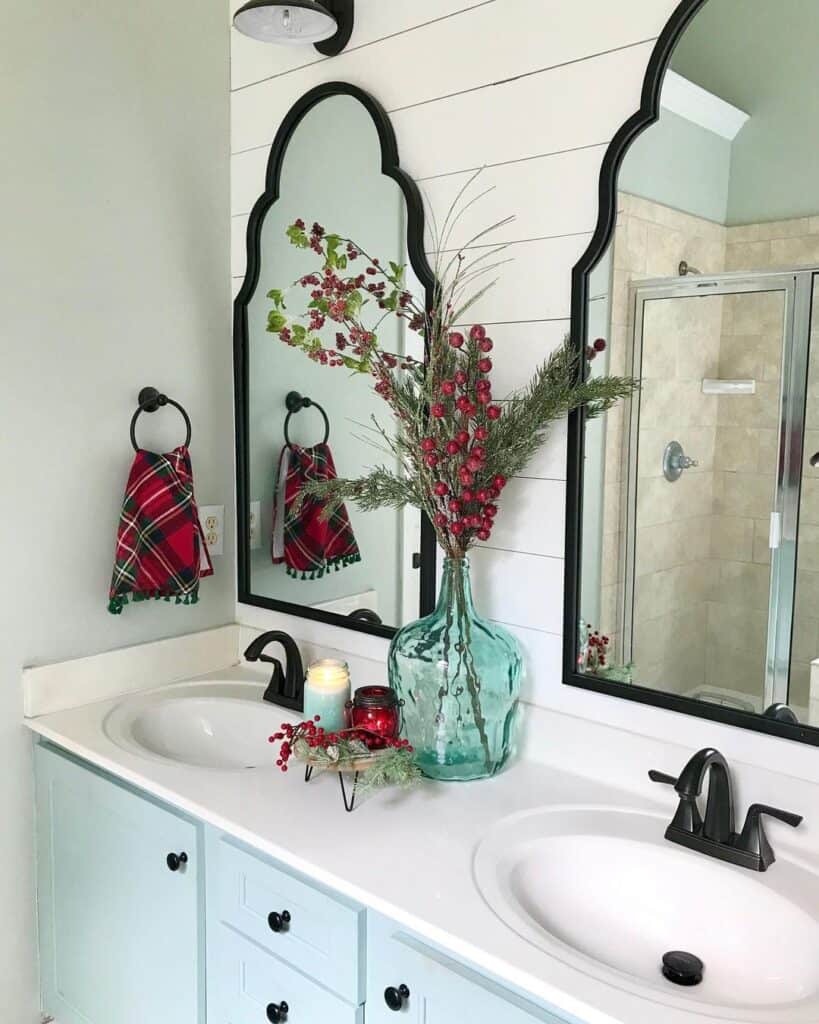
(675,461)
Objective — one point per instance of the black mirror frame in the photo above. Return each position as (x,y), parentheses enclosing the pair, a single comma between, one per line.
(647,115)
(415,247)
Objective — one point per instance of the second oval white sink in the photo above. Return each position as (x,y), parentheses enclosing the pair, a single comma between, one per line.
(602,890)
(217,725)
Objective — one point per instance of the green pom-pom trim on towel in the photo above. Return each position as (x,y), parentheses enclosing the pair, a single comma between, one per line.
(333,563)
(119,601)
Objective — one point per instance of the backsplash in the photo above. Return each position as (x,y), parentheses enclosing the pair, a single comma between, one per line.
(471,107)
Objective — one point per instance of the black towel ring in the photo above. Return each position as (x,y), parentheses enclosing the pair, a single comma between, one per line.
(295,403)
(149,401)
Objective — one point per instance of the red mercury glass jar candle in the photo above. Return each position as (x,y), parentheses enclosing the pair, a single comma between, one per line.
(376,709)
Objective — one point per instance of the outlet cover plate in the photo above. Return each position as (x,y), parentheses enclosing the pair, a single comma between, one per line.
(212,518)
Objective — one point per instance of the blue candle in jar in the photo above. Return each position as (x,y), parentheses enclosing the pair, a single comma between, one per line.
(326,694)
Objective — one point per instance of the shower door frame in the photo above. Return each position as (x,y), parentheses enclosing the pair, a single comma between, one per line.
(797,286)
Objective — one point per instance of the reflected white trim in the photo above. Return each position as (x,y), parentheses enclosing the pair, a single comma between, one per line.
(696,104)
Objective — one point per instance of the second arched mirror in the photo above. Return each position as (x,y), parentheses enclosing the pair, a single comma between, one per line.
(334,164)
(694,512)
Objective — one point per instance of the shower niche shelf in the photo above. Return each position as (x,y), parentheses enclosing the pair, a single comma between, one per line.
(712,386)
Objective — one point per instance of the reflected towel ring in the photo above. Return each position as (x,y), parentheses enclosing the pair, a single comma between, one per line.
(295,403)
(149,401)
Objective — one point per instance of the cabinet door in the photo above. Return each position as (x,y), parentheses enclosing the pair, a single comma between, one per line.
(119,930)
(440,990)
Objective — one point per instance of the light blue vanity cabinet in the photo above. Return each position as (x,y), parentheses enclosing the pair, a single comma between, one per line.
(149,917)
(409,981)
(121,933)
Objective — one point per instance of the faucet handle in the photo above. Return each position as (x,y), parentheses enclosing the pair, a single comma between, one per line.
(687,817)
(752,838)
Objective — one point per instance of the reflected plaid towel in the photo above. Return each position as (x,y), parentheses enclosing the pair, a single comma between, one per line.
(161,550)
(307,544)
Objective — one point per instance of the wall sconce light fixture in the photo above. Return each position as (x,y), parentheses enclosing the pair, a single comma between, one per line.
(328,25)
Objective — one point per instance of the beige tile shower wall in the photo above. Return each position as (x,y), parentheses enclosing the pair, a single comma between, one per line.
(775,245)
(465,87)
(674,572)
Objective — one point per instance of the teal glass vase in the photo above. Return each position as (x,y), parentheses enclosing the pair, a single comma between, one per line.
(459,677)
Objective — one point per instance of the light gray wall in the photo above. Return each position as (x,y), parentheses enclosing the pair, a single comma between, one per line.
(113,274)
(682,165)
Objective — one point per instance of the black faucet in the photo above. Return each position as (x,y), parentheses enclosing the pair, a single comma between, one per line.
(286,686)
(715,836)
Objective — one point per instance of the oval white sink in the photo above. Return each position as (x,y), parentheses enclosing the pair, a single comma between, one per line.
(223,726)
(602,890)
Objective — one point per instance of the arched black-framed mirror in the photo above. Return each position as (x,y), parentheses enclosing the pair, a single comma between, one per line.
(692,511)
(334,161)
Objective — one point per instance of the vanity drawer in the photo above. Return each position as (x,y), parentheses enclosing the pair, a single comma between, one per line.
(249,980)
(411,982)
(324,936)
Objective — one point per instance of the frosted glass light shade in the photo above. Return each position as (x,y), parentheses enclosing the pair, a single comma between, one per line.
(300,23)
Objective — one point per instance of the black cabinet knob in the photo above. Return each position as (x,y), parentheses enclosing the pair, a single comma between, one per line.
(277,1012)
(176,860)
(278,922)
(396,997)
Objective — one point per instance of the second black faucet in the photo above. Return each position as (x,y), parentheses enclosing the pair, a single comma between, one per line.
(715,835)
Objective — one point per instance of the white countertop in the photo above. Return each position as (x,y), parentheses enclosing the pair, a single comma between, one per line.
(407,855)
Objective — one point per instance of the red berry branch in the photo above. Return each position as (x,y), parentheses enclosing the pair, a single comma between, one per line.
(456,445)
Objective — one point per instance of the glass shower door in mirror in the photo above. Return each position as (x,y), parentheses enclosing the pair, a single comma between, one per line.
(698,524)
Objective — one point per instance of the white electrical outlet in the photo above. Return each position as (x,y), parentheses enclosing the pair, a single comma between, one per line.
(212,518)
(255,525)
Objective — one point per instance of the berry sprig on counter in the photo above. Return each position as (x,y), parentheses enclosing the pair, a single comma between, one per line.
(381,760)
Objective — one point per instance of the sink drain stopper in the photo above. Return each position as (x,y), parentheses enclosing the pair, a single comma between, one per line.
(682,968)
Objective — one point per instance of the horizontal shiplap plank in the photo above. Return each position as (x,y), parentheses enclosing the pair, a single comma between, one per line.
(521,589)
(542,663)
(550,461)
(509,121)
(247,179)
(520,348)
(533,517)
(525,117)
(546,196)
(534,285)
(254,61)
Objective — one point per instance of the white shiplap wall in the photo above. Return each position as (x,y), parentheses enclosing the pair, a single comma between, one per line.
(534,90)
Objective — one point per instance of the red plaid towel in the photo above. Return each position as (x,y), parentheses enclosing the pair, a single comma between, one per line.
(161,551)
(302,540)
